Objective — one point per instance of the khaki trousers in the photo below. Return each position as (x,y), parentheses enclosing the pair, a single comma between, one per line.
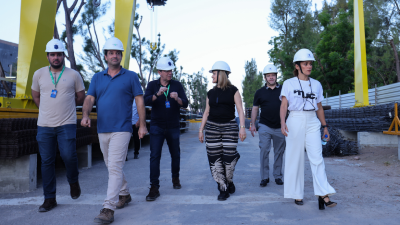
(114,147)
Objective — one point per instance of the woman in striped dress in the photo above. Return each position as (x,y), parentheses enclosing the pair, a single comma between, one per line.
(222,131)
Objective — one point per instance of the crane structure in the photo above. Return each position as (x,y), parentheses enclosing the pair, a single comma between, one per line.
(36,29)
(360,57)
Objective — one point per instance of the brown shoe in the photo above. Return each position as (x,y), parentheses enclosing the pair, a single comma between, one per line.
(153,194)
(105,216)
(75,190)
(123,200)
(49,203)
(176,183)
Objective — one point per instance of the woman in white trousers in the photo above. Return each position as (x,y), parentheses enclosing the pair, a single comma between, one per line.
(302,96)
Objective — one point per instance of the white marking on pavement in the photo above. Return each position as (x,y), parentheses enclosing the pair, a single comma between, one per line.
(163,199)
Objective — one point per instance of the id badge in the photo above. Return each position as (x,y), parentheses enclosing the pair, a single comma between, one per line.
(167,105)
(53,93)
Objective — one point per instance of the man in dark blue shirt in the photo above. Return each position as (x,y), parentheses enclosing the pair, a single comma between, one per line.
(166,96)
(114,91)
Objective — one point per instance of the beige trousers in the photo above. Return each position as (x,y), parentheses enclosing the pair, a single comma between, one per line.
(114,147)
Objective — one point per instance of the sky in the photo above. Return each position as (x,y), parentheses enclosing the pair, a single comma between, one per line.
(206,31)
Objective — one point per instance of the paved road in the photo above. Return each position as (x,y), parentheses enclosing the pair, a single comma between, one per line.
(196,202)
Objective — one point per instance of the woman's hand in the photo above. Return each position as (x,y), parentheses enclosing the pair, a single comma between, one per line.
(284,129)
(326,132)
(242,134)
(201,136)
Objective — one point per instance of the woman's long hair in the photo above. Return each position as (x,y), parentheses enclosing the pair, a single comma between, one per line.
(295,71)
(223,81)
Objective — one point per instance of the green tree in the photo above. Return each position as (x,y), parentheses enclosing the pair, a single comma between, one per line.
(197,91)
(298,28)
(253,80)
(92,56)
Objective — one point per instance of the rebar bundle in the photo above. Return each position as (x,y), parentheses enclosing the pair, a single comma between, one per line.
(337,145)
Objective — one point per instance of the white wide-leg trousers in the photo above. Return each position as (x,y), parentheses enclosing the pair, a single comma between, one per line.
(304,133)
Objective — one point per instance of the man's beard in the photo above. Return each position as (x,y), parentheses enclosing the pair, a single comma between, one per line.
(57,66)
(269,84)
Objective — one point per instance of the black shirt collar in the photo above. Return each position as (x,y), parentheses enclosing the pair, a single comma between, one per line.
(277,86)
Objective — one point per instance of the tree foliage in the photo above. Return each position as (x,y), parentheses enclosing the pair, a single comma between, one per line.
(253,80)
(329,33)
(92,56)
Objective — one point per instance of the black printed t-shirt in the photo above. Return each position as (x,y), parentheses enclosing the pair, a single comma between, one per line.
(268,100)
(224,110)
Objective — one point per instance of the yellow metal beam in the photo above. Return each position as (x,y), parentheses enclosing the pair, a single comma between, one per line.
(360,57)
(124,19)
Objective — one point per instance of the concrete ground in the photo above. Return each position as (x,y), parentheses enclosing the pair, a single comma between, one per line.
(368,192)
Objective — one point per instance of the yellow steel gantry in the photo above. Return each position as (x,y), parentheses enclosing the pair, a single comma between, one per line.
(360,57)
(124,19)
(36,29)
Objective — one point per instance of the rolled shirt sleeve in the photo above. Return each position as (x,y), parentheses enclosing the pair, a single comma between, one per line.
(92,87)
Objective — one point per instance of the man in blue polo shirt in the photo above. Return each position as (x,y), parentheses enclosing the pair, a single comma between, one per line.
(114,90)
(166,96)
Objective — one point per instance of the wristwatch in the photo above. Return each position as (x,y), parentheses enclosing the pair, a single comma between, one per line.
(156,95)
(323,126)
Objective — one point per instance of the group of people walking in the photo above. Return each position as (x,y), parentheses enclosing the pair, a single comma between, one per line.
(114,92)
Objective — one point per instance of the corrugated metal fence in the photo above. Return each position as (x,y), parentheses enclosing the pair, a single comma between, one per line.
(381,95)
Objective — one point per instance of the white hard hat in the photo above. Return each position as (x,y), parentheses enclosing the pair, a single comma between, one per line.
(55,45)
(165,63)
(221,65)
(113,43)
(270,68)
(303,55)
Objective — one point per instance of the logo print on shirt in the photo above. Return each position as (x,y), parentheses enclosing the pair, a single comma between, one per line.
(55,46)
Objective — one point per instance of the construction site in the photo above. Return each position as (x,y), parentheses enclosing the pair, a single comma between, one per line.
(362,157)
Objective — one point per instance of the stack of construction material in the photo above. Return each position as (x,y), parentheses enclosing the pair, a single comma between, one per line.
(372,118)
(86,135)
(337,145)
(18,137)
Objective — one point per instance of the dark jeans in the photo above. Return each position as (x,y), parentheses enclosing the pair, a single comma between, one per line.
(135,136)
(157,137)
(47,138)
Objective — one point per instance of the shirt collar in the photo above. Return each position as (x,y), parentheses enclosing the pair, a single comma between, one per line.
(277,86)
(122,71)
(159,82)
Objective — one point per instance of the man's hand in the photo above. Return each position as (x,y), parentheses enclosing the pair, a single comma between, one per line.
(142,132)
(253,130)
(162,90)
(85,122)
(284,129)
(174,95)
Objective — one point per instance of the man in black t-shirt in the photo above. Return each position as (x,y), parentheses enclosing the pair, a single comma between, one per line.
(269,125)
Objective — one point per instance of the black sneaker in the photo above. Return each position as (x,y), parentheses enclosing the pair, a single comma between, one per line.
(153,194)
(75,190)
(279,181)
(135,156)
(223,195)
(264,182)
(176,183)
(49,203)
(231,188)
